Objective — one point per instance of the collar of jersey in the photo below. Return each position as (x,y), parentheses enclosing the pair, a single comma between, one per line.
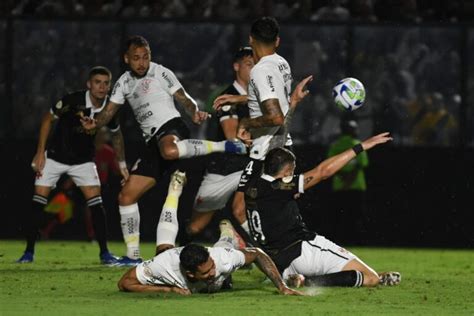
(268,57)
(91,106)
(239,88)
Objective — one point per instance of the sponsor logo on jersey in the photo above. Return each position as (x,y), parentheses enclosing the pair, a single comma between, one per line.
(167,79)
(143,116)
(270,83)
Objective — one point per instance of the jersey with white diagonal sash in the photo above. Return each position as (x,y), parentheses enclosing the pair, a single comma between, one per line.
(150,97)
(165,269)
(270,78)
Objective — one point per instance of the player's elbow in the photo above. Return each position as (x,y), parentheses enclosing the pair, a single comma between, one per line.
(277,120)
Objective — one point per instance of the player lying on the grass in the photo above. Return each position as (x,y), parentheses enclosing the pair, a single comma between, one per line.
(276,224)
(197,269)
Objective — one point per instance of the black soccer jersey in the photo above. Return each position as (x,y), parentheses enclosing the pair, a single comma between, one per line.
(70,143)
(225,163)
(274,218)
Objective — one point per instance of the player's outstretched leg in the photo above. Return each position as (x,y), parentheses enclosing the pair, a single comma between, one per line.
(229,237)
(197,147)
(167,229)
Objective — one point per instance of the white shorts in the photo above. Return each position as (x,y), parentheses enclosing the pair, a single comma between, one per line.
(83,175)
(318,257)
(215,191)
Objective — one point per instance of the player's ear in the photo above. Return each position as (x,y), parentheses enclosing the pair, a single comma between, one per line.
(236,66)
(250,40)
(190,274)
(277,42)
(125,58)
(88,83)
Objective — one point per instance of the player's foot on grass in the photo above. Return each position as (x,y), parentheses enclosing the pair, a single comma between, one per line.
(128,262)
(27,257)
(390,278)
(295,280)
(235,147)
(226,227)
(109,259)
(177,181)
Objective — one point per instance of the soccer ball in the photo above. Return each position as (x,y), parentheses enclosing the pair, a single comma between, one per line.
(349,94)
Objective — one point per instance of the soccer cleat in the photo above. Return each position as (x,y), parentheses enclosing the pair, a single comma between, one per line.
(129,262)
(390,278)
(109,259)
(27,257)
(295,280)
(177,181)
(237,240)
(235,146)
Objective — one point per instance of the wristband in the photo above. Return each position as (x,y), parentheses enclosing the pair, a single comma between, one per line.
(122,164)
(358,149)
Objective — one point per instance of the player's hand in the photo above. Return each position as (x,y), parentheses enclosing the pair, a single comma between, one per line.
(125,175)
(228,99)
(180,291)
(88,123)
(200,116)
(38,163)
(300,93)
(287,291)
(376,140)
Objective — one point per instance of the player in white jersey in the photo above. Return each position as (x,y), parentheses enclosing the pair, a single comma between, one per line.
(196,269)
(268,101)
(150,89)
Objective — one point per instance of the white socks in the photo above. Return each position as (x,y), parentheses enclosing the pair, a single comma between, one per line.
(130,221)
(167,228)
(197,147)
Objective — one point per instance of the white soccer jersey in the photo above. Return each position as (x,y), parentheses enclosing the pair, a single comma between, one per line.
(151,97)
(270,78)
(165,269)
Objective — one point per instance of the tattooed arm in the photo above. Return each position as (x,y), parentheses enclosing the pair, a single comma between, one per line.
(190,106)
(330,166)
(272,116)
(102,118)
(118,145)
(267,266)
(279,140)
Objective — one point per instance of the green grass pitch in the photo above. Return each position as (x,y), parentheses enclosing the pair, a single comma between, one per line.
(66,279)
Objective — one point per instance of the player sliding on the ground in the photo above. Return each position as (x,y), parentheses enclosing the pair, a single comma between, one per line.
(303,256)
(196,269)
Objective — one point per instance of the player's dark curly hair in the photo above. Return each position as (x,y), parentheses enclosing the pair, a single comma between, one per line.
(265,30)
(193,256)
(276,159)
(99,70)
(135,40)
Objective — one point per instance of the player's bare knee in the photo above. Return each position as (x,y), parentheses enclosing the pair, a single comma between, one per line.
(170,152)
(193,229)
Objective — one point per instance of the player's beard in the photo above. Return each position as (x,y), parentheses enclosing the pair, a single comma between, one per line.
(138,75)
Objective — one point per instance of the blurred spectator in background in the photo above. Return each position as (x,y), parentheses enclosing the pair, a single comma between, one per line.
(334,11)
(349,188)
(433,123)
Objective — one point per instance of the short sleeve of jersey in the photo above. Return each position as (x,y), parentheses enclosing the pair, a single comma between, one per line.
(168,79)
(265,81)
(118,93)
(227,259)
(57,109)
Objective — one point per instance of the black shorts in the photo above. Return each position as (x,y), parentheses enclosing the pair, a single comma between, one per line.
(150,162)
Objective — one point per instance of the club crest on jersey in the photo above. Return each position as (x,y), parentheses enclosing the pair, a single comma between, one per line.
(252,193)
(146,85)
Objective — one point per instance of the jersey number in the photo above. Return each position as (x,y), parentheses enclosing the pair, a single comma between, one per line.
(256,226)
